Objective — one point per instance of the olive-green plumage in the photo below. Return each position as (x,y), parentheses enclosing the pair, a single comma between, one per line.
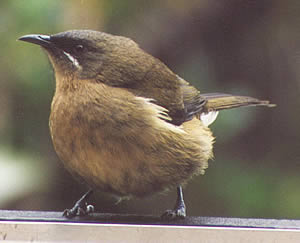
(121,119)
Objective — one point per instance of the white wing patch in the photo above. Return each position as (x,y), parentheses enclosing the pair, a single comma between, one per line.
(72,59)
(209,118)
(160,115)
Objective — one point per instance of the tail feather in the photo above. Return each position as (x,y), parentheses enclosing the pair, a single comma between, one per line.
(219,101)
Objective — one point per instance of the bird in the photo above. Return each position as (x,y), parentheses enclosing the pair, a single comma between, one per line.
(123,122)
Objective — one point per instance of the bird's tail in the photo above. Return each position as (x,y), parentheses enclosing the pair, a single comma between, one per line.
(219,101)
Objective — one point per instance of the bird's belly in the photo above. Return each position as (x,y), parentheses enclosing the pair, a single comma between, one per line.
(100,163)
(112,165)
(128,166)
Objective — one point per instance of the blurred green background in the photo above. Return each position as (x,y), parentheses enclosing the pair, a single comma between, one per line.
(234,46)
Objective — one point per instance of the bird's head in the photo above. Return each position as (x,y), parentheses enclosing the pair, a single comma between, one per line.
(87,54)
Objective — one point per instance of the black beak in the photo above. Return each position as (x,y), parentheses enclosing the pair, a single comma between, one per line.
(42,40)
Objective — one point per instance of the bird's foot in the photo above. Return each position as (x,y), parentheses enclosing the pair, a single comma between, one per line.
(177,213)
(80,208)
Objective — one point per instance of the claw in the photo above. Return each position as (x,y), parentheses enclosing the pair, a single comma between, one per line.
(90,209)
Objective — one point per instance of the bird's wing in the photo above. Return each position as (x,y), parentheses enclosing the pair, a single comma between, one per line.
(193,102)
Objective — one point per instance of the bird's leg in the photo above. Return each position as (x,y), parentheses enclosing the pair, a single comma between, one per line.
(81,207)
(179,211)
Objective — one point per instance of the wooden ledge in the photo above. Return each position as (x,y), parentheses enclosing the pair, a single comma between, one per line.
(105,218)
(51,226)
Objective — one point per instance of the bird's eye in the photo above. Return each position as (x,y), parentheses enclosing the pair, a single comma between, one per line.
(79,48)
